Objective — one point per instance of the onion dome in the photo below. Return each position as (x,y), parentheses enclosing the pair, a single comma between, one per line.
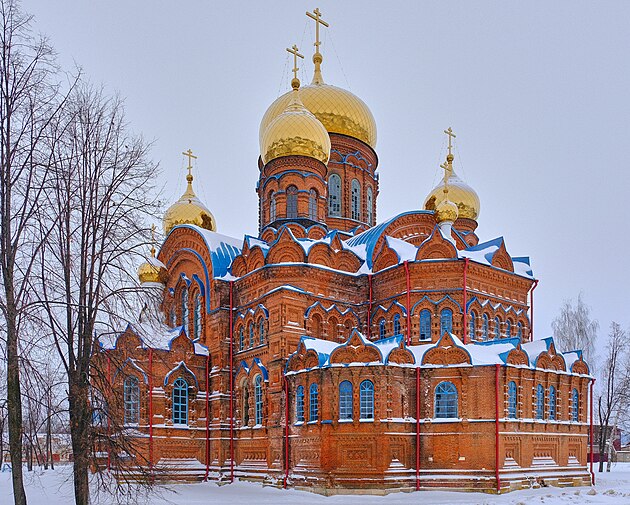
(188,209)
(446,211)
(152,271)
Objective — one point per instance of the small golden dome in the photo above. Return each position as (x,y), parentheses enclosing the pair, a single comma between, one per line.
(188,210)
(295,131)
(152,271)
(446,211)
(459,193)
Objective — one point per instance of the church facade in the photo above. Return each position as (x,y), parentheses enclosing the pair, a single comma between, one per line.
(333,353)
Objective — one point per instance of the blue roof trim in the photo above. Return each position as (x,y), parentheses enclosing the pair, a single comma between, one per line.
(512,340)
(425,297)
(437,344)
(484,245)
(262,367)
(365,341)
(181,365)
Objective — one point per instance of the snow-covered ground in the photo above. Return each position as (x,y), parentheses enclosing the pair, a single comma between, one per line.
(55,488)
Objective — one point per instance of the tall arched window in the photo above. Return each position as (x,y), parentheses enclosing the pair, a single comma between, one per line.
(197,317)
(241,339)
(272,207)
(185,308)
(382,331)
(370,207)
(366,399)
(397,324)
(512,400)
(356,200)
(552,403)
(345,400)
(292,202)
(425,324)
(132,400)
(445,400)
(497,327)
(575,405)
(334,195)
(299,404)
(520,330)
(245,390)
(180,401)
(251,334)
(261,332)
(333,328)
(508,328)
(312,205)
(258,400)
(446,321)
(540,402)
(472,325)
(313,403)
(484,329)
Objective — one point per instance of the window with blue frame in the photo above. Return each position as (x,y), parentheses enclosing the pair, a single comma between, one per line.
(131,393)
(512,400)
(258,400)
(180,401)
(356,200)
(370,210)
(472,325)
(197,317)
(540,402)
(313,403)
(382,331)
(272,206)
(425,324)
(334,196)
(446,400)
(366,399)
(446,321)
(241,339)
(312,205)
(299,404)
(251,334)
(292,202)
(497,327)
(552,403)
(508,328)
(397,324)
(485,327)
(185,309)
(261,332)
(520,330)
(575,405)
(345,400)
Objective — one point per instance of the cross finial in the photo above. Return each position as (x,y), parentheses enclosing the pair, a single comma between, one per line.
(451,136)
(191,157)
(153,240)
(295,83)
(317,57)
(445,167)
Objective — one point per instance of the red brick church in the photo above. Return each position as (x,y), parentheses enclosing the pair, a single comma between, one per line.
(336,352)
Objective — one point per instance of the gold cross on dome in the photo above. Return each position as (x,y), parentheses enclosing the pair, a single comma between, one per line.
(191,157)
(451,136)
(153,240)
(296,55)
(316,15)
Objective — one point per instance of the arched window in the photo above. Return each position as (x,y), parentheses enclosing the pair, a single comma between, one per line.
(425,324)
(370,209)
(197,317)
(345,400)
(497,327)
(251,334)
(299,404)
(334,195)
(313,403)
(258,400)
(185,309)
(241,339)
(356,200)
(512,400)
(472,325)
(333,328)
(445,400)
(292,202)
(382,332)
(508,328)
(180,401)
(312,205)
(132,400)
(366,399)
(520,330)
(575,405)
(484,329)
(261,332)
(540,402)
(397,324)
(272,206)
(552,403)
(446,321)
(245,404)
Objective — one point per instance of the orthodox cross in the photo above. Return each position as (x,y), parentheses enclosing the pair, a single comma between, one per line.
(444,166)
(191,157)
(451,136)
(296,55)
(316,15)
(153,240)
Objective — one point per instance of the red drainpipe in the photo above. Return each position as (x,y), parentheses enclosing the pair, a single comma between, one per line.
(369,316)
(408,303)
(150,408)
(417,428)
(591,433)
(496,428)
(207,416)
(109,384)
(466,260)
(286,430)
(531,303)
(231,383)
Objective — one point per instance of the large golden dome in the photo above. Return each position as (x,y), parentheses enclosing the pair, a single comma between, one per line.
(295,131)
(459,192)
(188,210)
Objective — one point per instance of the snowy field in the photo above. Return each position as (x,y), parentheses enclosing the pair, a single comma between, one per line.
(55,488)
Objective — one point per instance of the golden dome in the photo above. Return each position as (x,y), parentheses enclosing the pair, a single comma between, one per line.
(188,210)
(338,110)
(295,131)
(152,271)
(446,211)
(460,193)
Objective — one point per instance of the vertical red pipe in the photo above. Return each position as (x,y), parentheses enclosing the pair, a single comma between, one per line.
(417,428)
(496,427)
(286,430)
(109,412)
(207,416)
(531,304)
(466,260)
(369,316)
(231,383)
(150,408)
(408,303)
(591,433)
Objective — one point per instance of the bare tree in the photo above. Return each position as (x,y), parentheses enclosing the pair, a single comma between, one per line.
(574,329)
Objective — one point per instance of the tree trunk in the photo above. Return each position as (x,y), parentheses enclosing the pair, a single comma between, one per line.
(80,415)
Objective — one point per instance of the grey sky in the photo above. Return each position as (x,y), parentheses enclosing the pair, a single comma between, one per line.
(537,92)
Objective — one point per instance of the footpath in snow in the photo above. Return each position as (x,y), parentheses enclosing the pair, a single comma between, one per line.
(55,488)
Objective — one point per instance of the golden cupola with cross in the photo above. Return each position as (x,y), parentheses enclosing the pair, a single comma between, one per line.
(152,272)
(189,209)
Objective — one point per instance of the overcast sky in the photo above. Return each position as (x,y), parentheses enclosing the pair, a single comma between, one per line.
(537,93)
